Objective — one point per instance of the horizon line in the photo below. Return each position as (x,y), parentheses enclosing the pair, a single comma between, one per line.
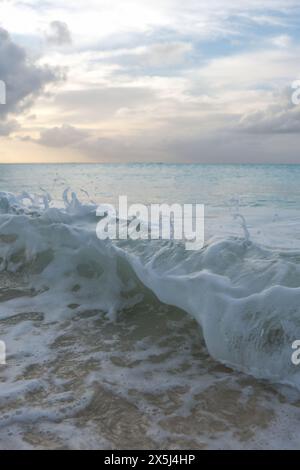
(150,163)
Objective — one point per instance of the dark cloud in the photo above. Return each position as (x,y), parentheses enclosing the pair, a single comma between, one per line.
(280,118)
(228,147)
(285,121)
(23,80)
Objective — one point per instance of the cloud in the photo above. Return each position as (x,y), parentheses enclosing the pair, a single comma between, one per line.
(160,80)
(63,136)
(23,80)
(156,55)
(59,33)
(282,41)
(280,118)
(98,19)
(7,127)
(100,103)
(167,54)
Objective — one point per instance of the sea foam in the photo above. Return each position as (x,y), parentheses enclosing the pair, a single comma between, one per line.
(244,295)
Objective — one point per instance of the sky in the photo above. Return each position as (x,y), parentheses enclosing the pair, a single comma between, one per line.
(206,81)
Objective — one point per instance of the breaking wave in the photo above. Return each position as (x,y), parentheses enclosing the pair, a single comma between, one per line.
(245,296)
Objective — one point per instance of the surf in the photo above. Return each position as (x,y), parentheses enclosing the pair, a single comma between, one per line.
(244,296)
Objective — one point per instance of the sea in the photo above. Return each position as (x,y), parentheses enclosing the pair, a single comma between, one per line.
(143,344)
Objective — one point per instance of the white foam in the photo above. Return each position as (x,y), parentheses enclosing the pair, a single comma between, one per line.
(244,294)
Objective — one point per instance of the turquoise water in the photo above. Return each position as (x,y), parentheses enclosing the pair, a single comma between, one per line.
(257,185)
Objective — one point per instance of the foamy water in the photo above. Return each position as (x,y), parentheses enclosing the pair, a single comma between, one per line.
(142,344)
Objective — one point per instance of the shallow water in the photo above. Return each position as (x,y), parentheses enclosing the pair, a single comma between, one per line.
(143,344)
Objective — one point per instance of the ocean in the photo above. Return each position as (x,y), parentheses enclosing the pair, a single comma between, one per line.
(142,344)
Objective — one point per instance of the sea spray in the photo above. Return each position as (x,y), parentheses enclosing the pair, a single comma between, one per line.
(244,297)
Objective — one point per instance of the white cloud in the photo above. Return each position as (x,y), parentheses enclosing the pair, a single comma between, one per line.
(283,41)
(162,77)
(100,18)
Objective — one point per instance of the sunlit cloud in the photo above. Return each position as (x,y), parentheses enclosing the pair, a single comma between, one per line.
(151,80)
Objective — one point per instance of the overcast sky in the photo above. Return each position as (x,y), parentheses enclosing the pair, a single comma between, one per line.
(150,80)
